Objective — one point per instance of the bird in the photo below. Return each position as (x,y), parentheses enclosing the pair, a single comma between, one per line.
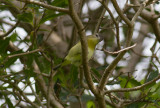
(74,55)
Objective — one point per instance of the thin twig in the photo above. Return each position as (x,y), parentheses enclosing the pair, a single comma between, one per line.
(134,88)
(138,53)
(117,52)
(46,6)
(50,85)
(109,82)
(120,13)
(109,95)
(12,74)
(7,33)
(138,12)
(81,75)
(80,101)
(83,40)
(114,21)
(25,53)
(21,92)
(110,68)
(129,77)
(43,74)
(99,22)
(35,94)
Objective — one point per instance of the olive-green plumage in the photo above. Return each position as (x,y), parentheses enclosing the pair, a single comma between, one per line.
(75,53)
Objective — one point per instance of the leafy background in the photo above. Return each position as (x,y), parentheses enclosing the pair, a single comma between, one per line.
(55,33)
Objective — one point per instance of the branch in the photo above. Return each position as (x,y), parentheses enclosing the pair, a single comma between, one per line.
(116,52)
(150,17)
(81,75)
(83,40)
(139,11)
(25,53)
(114,21)
(59,9)
(135,88)
(39,79)
(35,94)
(43,87)
(21,92)
(120,13)
(50,85)
(99,22)
(110,68)
(7,33)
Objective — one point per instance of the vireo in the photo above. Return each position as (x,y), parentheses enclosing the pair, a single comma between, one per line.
(74,55)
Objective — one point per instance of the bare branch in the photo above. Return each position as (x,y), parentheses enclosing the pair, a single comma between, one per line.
(116,52)
(150,17)
(7,33)
(25,53)
(125,19)
(99,22)
(21,92)
(114,21)
(135,88)
(83,40)
(46,5)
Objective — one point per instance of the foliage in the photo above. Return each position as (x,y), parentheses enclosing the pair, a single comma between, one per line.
(123,77)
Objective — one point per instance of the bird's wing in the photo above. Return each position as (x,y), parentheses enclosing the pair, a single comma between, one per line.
(74,51)
(74,55)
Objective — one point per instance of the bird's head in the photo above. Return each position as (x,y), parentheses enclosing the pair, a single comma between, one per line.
(93,40)
(94,37)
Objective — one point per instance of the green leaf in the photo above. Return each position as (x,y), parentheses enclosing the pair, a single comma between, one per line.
(68,80)
(35,8)
(134,82)
(29,61)
(155,94)
(136,105)
(43,64)
(50,16)
(4,45)
(151,106)
(29,73)
(113,82)
(10,61)
(123,81)
(155,88)
(131,82)
(152,75)
(3,7)
(13,37)
(91,104)
(73,74)
(49,1)
(65,96)
(96,71)
(25,17)
(8,101)
(40,39)
(60,3)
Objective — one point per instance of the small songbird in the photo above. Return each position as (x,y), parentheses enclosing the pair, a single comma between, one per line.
(75,53)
